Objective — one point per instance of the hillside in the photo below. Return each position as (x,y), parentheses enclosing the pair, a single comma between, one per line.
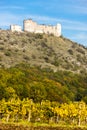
(43,79)
(23,81)
(45,51)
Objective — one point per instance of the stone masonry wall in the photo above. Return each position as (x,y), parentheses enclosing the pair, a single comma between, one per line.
(15,28)
(32,26)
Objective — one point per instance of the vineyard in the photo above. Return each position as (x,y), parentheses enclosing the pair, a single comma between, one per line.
(30,95)
(48,112)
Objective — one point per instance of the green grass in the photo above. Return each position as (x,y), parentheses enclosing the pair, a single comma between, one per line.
(37,124)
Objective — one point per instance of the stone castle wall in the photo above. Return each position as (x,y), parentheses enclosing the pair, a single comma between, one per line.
(31,26)
(15,28)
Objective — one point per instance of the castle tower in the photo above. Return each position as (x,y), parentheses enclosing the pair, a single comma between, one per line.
(58,30)
(29,25)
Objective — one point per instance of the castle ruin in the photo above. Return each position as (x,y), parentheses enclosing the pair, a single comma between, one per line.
(31,26)
(16,28)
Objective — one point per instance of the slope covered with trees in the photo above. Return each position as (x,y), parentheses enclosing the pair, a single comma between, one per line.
(38,84)
(43,79)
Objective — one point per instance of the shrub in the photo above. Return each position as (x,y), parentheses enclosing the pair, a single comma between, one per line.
(8,53)
(70,52)
(26,57)
(1,48)
(80,50)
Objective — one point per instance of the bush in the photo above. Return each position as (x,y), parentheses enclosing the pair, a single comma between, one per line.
(8,53)
(80,50)
(70,52)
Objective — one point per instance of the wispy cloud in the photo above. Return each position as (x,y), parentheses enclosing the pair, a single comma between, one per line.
(8,18)
(69,6)
(80,38)
(11,7)
(75,26)
(78,9)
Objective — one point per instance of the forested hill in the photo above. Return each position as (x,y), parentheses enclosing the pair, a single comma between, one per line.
(45,51)
(42,67)
(23,81)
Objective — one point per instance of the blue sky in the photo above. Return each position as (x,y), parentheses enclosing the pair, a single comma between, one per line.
(72,14)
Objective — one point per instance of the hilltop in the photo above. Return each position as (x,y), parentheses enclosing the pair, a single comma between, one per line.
(45,51)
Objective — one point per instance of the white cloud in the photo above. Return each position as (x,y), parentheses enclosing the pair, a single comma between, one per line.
(79,9)
(11,7)
(68,6)
(76,27)
(80,38)
(8,18)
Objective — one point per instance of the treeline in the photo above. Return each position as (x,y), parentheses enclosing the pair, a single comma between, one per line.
(15,110)
(23,81)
